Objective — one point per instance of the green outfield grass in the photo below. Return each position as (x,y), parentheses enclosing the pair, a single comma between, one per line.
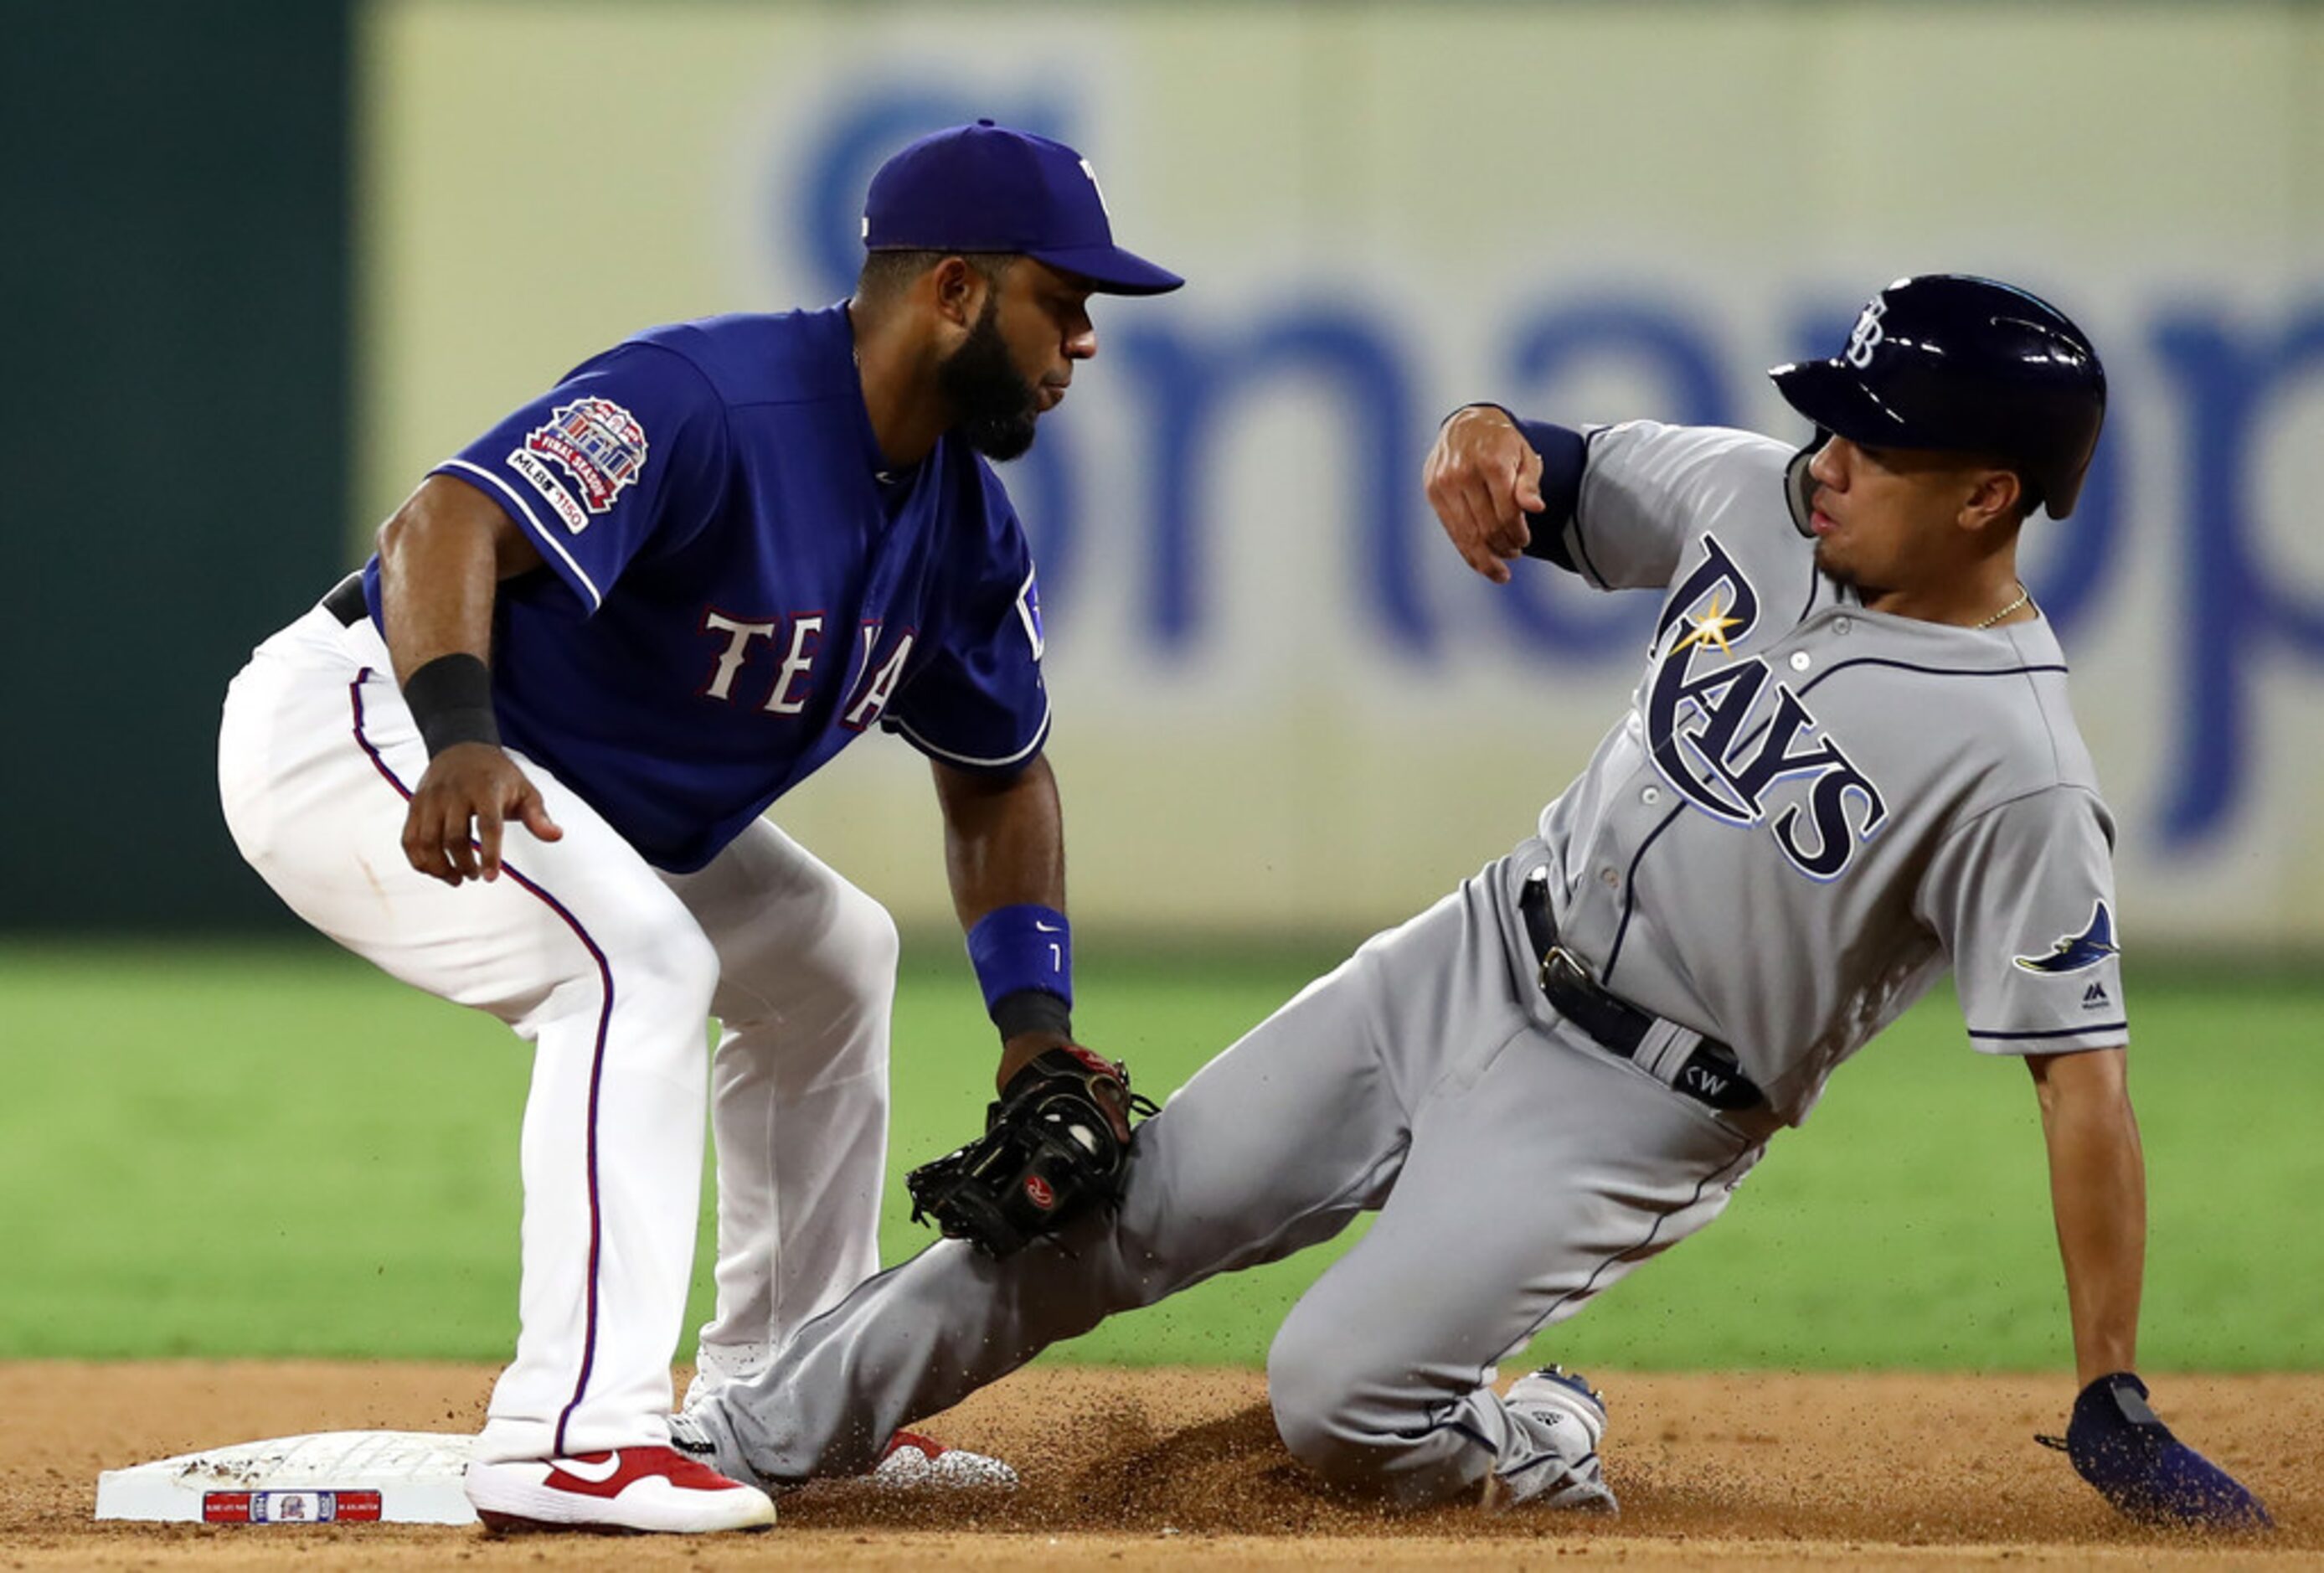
(276,1151)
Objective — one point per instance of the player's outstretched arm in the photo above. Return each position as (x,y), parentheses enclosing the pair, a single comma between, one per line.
(1482,478)
(441,559)
(1057,1141)
(1005,857)
(2097,1191)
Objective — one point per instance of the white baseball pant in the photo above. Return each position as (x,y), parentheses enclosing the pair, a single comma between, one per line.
(610,968)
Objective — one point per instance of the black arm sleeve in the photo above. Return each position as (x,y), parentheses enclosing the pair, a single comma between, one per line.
(1562,454)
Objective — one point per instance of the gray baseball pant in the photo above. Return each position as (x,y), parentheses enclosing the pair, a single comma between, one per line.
(1517,1170)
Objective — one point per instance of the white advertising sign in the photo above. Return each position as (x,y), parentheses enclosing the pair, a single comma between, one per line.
(1282,701)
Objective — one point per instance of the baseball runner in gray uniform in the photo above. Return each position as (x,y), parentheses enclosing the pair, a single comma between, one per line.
(1849,764)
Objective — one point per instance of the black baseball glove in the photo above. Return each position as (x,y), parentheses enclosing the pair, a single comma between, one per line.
(1055,1143)
(2119,1447)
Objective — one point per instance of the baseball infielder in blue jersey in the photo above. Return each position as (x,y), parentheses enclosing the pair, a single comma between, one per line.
(521,762)
(1850,763)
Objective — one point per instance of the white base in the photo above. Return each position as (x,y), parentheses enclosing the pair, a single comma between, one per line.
(397,1477)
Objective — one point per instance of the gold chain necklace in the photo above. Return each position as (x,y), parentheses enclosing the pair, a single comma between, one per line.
(2024,595)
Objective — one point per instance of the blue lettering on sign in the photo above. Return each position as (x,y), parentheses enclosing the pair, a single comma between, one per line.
(1188,386)
(825,218)
(2226,379)
(2074,562)
(1553,614)
(2236,604)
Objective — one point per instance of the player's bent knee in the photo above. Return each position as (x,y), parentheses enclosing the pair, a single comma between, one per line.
(843,965)
(851,977)
(1349,1410)
(670,967)
(1320,1439)
(1315,1412)
(863,943)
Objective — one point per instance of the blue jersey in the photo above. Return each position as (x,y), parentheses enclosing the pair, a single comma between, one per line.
(735,590)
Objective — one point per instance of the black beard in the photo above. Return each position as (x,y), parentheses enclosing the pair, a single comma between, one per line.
(1847,579)
(1824,566)
(993,407)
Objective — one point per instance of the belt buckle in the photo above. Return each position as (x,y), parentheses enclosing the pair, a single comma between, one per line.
(1558,958)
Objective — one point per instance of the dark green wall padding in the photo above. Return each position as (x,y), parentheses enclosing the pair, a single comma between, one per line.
(173,429)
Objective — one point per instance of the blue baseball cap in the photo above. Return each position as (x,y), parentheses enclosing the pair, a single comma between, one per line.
(987,187)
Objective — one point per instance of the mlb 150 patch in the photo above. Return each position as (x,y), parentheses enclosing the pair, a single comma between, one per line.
(595,441)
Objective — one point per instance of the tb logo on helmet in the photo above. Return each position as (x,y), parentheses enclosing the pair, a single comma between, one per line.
(1868,333)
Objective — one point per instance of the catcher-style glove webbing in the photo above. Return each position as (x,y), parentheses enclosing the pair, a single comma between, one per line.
(1056,1143)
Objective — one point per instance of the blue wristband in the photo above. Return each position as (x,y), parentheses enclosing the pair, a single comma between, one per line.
(1019,948)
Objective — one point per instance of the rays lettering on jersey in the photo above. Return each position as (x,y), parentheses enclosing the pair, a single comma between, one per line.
(794,673)
(1721,739)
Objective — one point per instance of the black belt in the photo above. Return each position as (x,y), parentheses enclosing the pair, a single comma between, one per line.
(1711,1074)
(345,601)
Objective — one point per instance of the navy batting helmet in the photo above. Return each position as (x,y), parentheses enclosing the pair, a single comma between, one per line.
(1966,365)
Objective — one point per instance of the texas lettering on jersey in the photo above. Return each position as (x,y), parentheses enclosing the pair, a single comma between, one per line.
(1724,730)
(870,697)
(743,644)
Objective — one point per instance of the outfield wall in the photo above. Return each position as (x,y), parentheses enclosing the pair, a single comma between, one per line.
(174,449)
(1282,701)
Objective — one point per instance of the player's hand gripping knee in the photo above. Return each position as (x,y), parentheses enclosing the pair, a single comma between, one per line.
(452,831)
(2118,1444)
(1482,478)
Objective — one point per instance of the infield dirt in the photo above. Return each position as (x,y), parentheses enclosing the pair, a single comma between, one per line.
(1174,1468)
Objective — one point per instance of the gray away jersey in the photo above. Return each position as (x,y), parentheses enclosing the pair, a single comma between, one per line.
(1811,808)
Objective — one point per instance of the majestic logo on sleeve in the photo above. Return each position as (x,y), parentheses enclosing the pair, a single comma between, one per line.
(593,441)
(2073,952)
(1724,730)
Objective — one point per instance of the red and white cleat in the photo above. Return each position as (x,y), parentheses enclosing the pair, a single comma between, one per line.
(652,1489)
(913,1462)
